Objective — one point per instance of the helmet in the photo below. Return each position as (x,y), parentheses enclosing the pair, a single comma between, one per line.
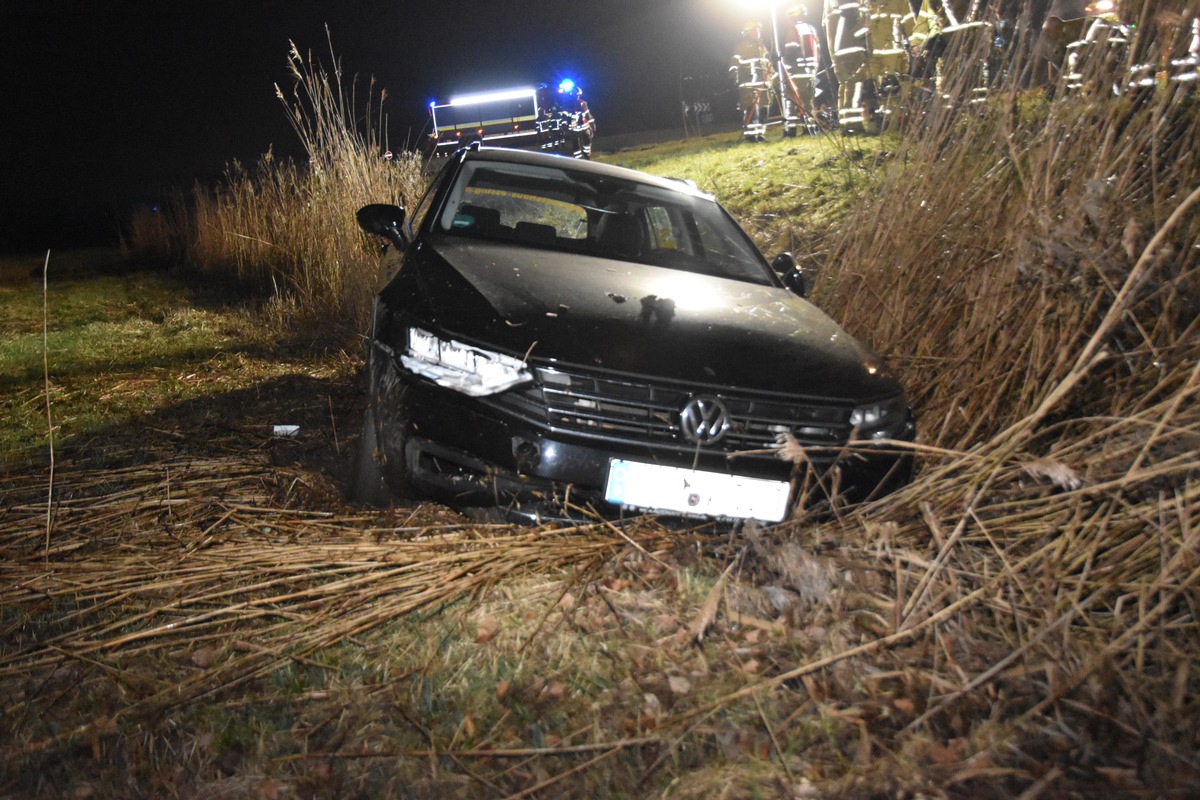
(752,25)
(1067,10)
(1103,9)
(797,11)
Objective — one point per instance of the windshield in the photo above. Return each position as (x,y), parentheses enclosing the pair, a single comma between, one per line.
(578,212)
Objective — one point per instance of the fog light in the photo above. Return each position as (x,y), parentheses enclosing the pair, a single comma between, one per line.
(526,453)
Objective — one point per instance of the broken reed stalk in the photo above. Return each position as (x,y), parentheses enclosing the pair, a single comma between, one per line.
(1093,351)
(309,583)
(1092,543)
(1051,349)
(1103,550)
(499,752)
(46,386)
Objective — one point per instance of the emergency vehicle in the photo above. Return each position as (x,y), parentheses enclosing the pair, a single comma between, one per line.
(532,118)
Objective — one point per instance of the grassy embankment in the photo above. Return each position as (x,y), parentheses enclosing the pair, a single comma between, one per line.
(1022,620)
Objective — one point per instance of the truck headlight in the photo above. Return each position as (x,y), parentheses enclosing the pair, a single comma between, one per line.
(464,368)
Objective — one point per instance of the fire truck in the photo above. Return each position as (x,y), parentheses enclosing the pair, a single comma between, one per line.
(535,118)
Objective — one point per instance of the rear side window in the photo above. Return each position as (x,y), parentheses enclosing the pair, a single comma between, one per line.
(662,231)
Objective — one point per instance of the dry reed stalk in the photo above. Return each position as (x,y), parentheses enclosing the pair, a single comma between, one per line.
(499,752)
(1051,341)
(288,231)
(311,583)
(46,385)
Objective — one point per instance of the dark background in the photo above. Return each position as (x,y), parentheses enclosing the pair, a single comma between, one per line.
(108,105)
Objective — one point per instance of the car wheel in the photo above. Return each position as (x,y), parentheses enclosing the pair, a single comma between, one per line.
(385,435)
(391,447)
(367,486)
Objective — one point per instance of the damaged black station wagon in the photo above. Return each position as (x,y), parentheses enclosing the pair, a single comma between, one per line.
(559,337)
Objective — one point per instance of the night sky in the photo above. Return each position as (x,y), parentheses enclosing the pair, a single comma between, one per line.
(109,104)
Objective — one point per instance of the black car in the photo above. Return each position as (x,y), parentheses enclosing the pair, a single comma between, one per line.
(561,337)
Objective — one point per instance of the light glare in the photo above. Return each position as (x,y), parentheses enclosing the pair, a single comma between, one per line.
(487,97)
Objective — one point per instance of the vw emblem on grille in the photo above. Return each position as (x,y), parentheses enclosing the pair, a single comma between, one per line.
(704,419)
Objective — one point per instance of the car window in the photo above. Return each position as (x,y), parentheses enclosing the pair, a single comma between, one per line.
(599,215)
(517,208)
(662,229)
(718,246)
(514,204)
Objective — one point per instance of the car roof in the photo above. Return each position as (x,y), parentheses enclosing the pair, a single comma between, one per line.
(515,156)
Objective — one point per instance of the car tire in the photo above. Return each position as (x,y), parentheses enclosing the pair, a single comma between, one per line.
(367,486)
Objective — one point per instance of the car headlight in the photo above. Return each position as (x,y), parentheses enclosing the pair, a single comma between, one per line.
(876,418)
(471,370)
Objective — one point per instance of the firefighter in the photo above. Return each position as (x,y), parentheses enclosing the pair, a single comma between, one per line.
(583,126)
(923,26)
(1089,45)
(889,39)
(750,67)
(888,64)
(870,55)
(847,37)
(801,60)
(1099,54)
(576,118)
(1066,23)
(936,30)
(1174,61)
(1183,69)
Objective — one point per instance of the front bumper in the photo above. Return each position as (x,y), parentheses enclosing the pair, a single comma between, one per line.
(476,452)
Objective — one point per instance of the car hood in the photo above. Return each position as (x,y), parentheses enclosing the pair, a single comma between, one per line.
(640,319)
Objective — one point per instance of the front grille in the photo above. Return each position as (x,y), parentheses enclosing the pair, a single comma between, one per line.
(634,409)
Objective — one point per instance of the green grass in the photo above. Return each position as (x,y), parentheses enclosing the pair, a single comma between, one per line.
(94,308)
(115,349)
(789,194)
(779,177)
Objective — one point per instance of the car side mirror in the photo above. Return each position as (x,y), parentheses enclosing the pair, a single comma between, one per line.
(788,270)
(382,219)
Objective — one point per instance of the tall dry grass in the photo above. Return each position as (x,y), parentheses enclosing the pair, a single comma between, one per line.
(1031,265)
(990,254)
(286,229)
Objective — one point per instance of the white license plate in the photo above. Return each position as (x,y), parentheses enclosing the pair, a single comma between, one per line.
(653,487)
